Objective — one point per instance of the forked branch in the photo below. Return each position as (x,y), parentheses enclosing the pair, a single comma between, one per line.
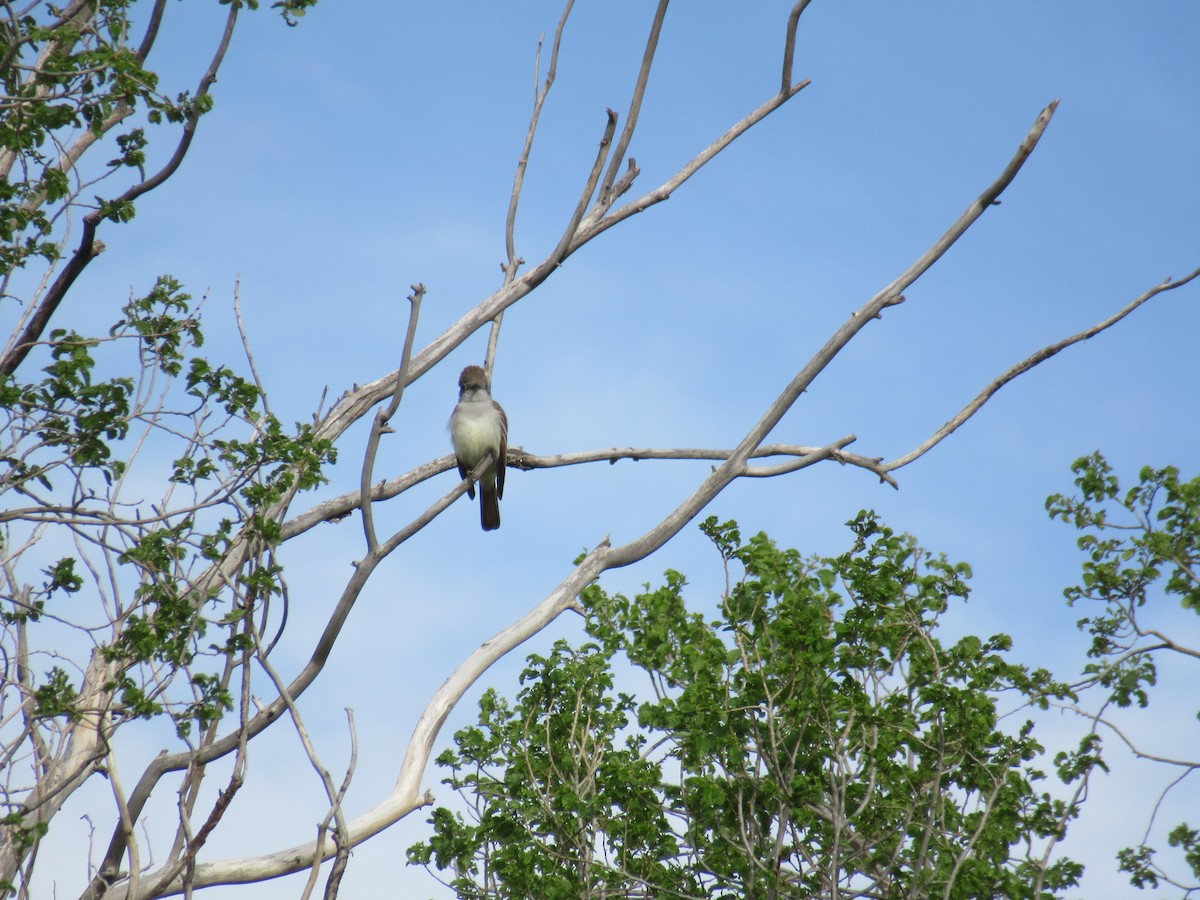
(607,195)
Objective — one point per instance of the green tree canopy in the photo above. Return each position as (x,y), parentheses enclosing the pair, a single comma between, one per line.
(817,738)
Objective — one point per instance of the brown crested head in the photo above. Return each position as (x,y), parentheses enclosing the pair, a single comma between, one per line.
(472,376)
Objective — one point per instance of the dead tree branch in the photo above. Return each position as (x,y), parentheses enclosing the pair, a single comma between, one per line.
(1025,365)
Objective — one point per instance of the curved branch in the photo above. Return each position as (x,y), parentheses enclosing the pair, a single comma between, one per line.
(789,46)
(1025,365)
(151,33)
(1187,764)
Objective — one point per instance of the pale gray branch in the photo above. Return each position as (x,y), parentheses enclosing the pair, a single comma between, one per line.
(514,262)
(1188,764)
(600,220)
(383,416)
(523,162)
(789,46)
(1025,365)
(337,508)
(606,196)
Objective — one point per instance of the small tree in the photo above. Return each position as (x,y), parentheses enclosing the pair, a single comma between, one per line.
(815,739)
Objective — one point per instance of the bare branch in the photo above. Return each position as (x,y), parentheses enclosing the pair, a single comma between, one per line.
(343,854)
(520,459)
(889,296)
(513,261)
(568,241)
(335,795)
(337,508)
(1025,365)
(601,220)
(523,162)
(606,196)
(1187,764)
(151,33)
(384,416)
(241,327)
(789,46)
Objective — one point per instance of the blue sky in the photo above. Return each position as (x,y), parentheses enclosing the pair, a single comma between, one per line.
(374,146)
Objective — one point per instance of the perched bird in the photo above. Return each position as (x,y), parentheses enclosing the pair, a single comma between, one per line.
(479,427)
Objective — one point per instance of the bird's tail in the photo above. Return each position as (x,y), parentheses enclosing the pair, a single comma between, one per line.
(489,509)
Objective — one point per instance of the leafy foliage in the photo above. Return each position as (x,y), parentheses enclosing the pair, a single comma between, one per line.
(111,596)
(1141,545)
(816,739)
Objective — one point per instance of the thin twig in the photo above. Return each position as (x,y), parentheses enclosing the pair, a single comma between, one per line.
(523,163)
(571,232)
(384,416)
(242,333)
(514,262)
(334,795)
(600,220)
(342,859)
(606,196)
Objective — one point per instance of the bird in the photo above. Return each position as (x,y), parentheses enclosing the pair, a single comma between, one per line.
(479,428)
